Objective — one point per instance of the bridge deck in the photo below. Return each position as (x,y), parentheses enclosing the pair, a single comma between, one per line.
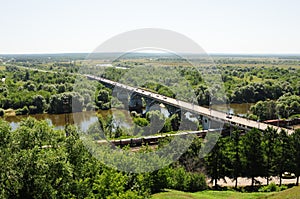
(213,114)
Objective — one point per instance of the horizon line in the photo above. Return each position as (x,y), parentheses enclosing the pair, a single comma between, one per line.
(208,53)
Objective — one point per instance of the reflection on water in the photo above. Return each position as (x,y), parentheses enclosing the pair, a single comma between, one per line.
(121,117)
(236,109)
(83,119)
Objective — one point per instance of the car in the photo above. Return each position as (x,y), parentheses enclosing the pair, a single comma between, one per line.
(228,116)
(288,175)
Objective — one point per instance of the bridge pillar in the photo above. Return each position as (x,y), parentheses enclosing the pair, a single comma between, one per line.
(136,103)
(149,102)
(122,96)
(205,123)
(173,110)
(208,123)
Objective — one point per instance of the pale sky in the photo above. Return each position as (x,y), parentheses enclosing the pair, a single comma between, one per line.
(219,26)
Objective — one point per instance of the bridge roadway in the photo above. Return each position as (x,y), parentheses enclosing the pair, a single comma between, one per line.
(209,113)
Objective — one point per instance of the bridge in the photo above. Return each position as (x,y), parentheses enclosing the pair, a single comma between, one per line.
(208,115)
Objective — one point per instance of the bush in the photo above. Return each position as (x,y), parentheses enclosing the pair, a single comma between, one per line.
(186,181)
(22,111)
(198,182)
(272,187)
(33,109)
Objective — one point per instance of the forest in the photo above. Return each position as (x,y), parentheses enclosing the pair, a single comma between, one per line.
(40,162)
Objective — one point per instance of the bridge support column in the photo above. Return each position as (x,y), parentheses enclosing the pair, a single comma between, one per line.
(149,103)
(122,96)
(205,123)
(136,103)
(173,110)
(208,123)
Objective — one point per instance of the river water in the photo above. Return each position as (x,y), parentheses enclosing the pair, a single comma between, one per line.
(84,119)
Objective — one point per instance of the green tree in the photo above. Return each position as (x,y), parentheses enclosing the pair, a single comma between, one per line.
(217,161)
(253,154)
(284,159)
(235,148)
(103,99)
(40,103)
(296,154)
(157,120)
(270,137)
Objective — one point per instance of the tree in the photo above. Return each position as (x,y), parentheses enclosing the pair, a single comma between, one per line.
(156,119)
(103,99)
(61,88)
(296,154)
(217,161)
(235,149)
(253,154)
(270,137)
(40,103)
(66,103)
(27,76)
(284,159)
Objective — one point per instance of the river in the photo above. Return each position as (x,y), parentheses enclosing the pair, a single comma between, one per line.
(84,119)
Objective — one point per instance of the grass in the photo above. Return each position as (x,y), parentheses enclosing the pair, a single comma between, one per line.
(292,193)
(172,194)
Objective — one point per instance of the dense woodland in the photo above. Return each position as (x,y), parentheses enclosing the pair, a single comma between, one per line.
(40,162)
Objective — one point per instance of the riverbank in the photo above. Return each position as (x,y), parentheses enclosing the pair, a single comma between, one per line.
(9,112)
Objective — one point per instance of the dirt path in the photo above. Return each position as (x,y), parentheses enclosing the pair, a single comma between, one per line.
(247,181)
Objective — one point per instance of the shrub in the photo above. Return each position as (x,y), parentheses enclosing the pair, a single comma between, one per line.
(186,181)
(198,182)
(272,187)
(22,111)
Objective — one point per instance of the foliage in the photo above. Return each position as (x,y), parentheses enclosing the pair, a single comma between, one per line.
(66,103)
(22,111)
(272,187)
(39,162)
(182,180)
(285,106)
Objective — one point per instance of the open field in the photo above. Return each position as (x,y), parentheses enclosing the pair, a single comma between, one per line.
(171,194)
(292,193)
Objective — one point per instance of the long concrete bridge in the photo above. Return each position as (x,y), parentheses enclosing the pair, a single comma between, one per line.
(206,113)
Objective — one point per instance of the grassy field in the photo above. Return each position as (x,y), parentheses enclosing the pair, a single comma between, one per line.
(292,193)
(172,194)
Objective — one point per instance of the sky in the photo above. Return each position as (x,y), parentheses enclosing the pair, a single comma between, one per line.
(218,26)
